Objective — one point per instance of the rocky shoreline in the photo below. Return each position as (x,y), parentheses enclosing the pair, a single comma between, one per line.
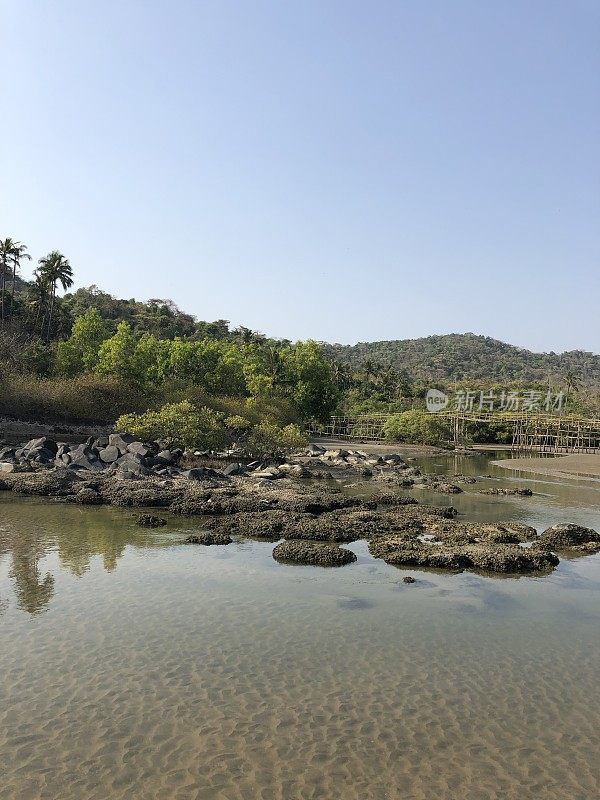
(273,501)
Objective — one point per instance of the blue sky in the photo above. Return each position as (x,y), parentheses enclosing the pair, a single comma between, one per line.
(338,170)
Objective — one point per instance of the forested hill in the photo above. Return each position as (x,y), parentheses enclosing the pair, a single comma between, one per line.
(468,356)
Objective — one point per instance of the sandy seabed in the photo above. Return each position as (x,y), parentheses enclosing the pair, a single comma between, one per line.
(578,465)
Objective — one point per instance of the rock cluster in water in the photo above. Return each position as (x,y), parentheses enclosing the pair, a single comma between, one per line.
(121,471)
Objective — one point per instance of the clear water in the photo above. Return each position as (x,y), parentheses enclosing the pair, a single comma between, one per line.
(134,666)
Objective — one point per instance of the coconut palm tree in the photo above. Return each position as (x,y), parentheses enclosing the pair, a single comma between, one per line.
(54,269)
(19,252)
(39,293)
(572,383)
(6,250)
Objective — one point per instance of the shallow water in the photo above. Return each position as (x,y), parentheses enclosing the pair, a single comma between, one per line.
(134,666)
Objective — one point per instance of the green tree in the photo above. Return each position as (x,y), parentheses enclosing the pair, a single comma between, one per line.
(310,380)
(416,426)
(54,269)
(19,252)
(80,352)
(116,354)
(38,297)
(11,254)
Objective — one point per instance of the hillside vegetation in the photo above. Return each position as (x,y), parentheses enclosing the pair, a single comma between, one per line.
(467,356)
(87,356)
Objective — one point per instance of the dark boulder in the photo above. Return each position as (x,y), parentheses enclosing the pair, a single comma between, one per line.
(121,441)
(83,457)
(109,454)
(44,442)
(133,463)
(140,449)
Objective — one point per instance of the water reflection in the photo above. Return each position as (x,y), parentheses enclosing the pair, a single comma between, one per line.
(32,529)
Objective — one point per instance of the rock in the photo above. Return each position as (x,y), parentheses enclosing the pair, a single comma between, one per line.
(568,536)
(109,454)
(87,497)
(150,521)
(83,457)
(408,579)
(134,463)
(294,470)
(44,442)
(405,548)
(140,449)
(415,553)
(514,491)
(6,466)
(335,455)
(393,458)
(266,525)
(314,450)
(120,441)
(510,558)
(448,488)
(201,474)
(165,457)
(390,499)
(208,538)
(270,474)
(296,552)
(235,469)
(44,483)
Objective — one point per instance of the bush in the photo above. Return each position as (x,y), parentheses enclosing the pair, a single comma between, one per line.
(180,424)
(269,439)
(86,399)
(420,427)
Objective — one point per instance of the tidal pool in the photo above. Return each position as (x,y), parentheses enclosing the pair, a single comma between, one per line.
(135,666)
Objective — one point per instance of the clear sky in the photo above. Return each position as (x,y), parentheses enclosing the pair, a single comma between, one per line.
(346,171)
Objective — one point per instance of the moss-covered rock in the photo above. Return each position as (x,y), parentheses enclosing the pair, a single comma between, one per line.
(150,521)
(209,538)
(44,482)
(410,550)
(510,558)
(570,536)
(295,552)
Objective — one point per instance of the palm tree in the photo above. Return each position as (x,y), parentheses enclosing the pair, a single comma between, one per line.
(572,383)
(38,296)
(38,292)
(54,269)
(18,252)
(6,250)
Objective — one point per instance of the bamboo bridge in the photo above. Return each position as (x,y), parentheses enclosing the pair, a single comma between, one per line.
(528,431)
